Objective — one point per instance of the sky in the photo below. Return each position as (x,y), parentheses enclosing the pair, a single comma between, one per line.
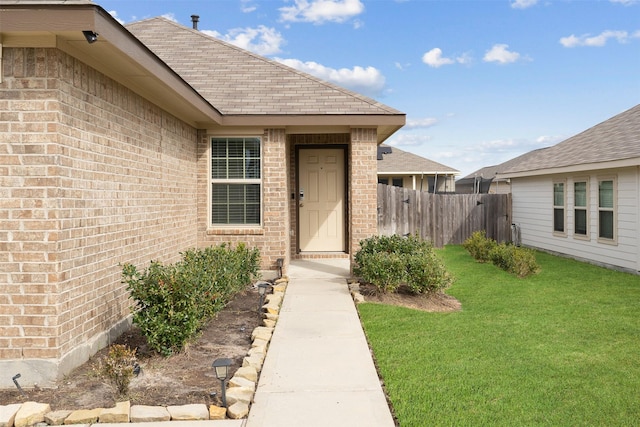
(480,81)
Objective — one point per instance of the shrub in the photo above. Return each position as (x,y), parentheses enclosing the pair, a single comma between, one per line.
(117,367)
(389,261)
(382,269)
(173,302)
(517,260)
(479,246)
(427,273)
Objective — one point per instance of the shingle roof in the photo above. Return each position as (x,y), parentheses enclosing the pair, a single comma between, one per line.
(238,82)
(617,138)
(398,161)
(491,171)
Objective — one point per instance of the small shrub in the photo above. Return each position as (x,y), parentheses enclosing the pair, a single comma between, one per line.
(117,367)
(479,246)
(389,261)
(516,260)
(382,269)
(427,273)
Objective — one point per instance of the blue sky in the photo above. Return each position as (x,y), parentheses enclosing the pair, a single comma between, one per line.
(481,81)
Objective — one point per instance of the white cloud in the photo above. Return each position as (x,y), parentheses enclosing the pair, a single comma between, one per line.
(434,58)
(500,53)
(261,40)
(407,139)
(365,80)
(523,4)
(247,6)
(599,40)
(625,2)
(170,17)
(114,14)
(321,11)
(421,123)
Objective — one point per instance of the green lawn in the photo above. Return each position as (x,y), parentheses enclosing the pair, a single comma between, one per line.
(561,348)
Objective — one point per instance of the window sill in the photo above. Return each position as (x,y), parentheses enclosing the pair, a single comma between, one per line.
(235,231)
(604,241)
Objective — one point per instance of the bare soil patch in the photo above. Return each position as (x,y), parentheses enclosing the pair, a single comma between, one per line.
(181,379)
(431,302)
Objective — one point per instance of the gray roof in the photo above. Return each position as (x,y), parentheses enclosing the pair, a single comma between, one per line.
(615,139)
(489,172)
(238,82)
(403,162)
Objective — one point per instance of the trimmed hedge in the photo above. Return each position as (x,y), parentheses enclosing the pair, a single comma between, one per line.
(514,259)
(390,261)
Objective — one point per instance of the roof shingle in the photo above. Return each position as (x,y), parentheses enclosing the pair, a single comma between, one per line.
(398,161)
(617,138)
(238,82)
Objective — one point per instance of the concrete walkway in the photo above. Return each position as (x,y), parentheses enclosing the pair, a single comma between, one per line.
(318,370)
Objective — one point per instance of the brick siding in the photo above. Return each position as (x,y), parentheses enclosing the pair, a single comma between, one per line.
(92,176)
(272,238)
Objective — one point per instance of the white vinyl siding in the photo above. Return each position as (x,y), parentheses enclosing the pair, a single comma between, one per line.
(531,211)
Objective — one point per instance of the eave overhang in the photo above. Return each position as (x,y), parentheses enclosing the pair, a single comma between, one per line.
(116,53)
(572,169)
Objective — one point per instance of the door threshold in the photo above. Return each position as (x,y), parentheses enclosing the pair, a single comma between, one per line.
(321,255)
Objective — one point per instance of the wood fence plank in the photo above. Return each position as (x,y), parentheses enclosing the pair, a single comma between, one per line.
(443,218)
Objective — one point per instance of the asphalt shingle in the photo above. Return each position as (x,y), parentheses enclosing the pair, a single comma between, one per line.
(238,82)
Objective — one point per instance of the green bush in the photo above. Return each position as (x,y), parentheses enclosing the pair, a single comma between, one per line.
(519,261)
(390,261)
(426,273)
(479,246)
(173,302)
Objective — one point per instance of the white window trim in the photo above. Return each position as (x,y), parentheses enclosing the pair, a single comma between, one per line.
(554,207)
(614,179)
(586,208)
(210,181)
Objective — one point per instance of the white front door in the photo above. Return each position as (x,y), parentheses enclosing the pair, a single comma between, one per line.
(321,199)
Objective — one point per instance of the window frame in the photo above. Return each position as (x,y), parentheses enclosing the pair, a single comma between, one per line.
(614,209)
(212,181)
(585,208)
(563,232)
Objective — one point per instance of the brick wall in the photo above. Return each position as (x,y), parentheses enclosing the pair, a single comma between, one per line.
(92,176)
(272,239)
(363,181)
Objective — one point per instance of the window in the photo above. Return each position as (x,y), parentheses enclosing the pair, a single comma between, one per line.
(398,182)
(606,209)
(580,205)
(389,180)
(236,185)
(558,207)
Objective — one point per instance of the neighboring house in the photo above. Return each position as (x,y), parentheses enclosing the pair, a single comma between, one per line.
(133,144)
(581,197)
(404,169)
(487,181)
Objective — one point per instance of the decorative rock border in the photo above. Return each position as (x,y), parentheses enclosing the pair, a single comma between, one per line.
(239,394)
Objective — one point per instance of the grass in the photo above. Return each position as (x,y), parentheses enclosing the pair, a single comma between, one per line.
(560,348)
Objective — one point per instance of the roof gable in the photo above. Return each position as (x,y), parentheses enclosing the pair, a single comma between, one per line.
(616,139)
(238,82)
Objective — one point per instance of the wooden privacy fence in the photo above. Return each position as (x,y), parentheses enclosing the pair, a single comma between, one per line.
(443,218)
